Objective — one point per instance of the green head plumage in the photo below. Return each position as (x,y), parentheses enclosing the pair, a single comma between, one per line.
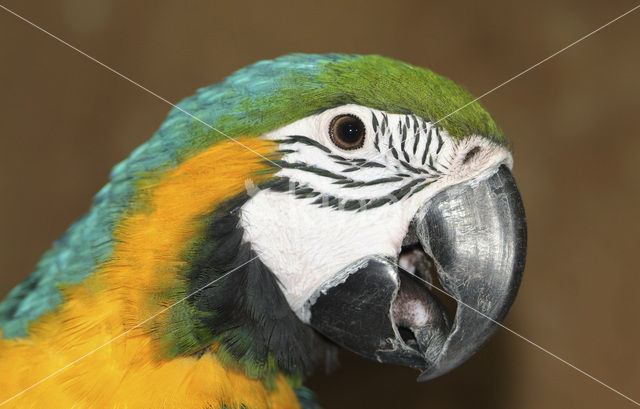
(269,94)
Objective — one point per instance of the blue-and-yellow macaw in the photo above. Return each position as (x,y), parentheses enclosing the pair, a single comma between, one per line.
(302,203)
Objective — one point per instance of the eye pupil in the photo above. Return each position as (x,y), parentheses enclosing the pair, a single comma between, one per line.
(347,131)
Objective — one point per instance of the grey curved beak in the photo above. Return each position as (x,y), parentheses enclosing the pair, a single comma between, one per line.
(476,234)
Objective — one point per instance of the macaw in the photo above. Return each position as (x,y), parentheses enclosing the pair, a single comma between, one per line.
(303,203)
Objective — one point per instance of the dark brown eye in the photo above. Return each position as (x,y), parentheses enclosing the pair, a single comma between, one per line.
(347,131)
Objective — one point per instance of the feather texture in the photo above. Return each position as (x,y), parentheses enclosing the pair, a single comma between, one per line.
(133,371)
(146,243)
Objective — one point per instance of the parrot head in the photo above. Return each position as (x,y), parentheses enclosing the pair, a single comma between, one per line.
(375,186)
(372,203)
(302,203)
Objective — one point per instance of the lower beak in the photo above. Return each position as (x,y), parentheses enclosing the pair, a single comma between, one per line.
(476,234)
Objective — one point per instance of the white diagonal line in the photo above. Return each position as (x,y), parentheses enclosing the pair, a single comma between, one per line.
(246,147)
(137,84)
(584,37)
(127,331)
(522,337)
(516,76)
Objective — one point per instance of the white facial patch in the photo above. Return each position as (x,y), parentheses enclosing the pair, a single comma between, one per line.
(333,206)
(306,245)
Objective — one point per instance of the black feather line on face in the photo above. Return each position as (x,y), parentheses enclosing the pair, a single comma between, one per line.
(426,149)
(374,122)
(309,168)
(417,178)
(416,135)
(246,311)
(404,140)
(440,142)
(284,184)
(291,139)
(385,123)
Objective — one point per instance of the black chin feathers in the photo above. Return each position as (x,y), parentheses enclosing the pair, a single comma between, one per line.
(245,312)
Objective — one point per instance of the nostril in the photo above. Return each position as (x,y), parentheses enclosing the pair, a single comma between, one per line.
(471,154)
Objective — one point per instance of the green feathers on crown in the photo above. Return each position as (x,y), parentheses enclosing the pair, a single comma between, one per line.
(270,94)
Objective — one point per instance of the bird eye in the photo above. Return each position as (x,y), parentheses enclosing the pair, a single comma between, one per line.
(347,131)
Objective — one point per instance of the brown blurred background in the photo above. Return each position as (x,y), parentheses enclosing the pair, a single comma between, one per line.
(574,123)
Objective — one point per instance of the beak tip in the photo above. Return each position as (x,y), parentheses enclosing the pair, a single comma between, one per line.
(430,373)
(424,376)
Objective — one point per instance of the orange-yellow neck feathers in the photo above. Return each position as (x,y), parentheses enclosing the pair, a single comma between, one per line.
(132,371)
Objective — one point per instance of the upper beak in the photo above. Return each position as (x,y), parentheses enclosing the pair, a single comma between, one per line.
(476,234)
